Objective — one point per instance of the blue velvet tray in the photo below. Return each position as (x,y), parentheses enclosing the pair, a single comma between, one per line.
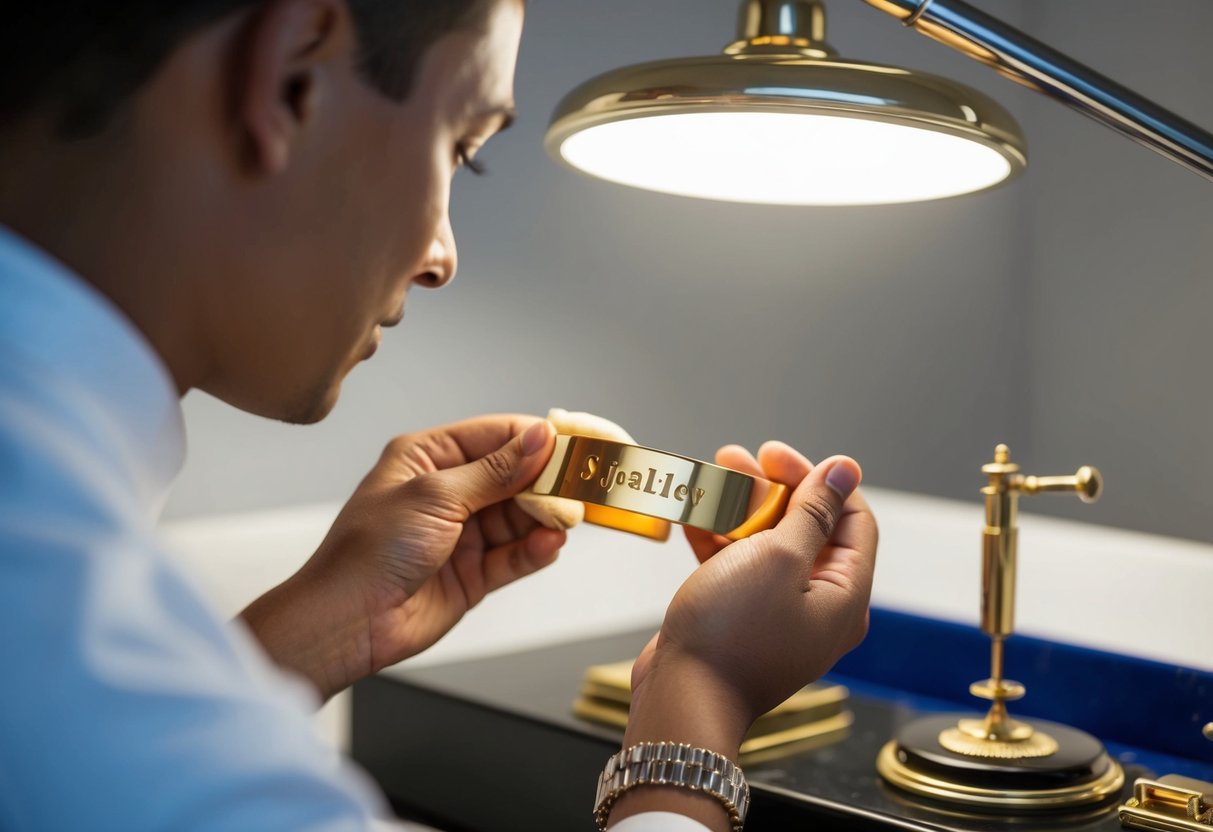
(1146,712)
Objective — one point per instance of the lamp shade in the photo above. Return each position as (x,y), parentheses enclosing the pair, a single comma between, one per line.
(780,119)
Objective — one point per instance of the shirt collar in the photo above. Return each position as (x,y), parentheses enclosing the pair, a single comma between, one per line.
(52,317)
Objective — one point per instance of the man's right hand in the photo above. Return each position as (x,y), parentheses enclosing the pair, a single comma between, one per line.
(757,621)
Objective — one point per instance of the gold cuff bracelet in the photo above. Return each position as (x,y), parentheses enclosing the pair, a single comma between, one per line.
(643,490)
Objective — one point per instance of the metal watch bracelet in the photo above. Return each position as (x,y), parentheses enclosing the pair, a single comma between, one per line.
(673,764)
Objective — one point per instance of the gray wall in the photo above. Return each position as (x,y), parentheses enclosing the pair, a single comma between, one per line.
(1061,314)
(1119,249)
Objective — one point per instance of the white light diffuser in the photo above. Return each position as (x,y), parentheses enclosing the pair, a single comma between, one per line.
(784,158)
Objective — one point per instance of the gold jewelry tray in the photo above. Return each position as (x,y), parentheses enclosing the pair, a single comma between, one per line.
(813,717)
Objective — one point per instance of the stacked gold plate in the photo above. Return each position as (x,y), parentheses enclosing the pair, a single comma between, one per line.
(813,717)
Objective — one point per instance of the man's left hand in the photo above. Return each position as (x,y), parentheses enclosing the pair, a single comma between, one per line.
(428,533)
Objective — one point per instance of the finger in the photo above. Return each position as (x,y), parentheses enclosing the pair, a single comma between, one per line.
(857,528)
(776,461)
(495,525)
(503,522)
(458,443)
(817,504)
(499,474)
(506,564)
(850,560)
(783,463)
(520,522)
(739,459)
(703,543)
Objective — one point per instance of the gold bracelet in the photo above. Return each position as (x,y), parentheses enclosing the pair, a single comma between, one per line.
(673,764)
(643,490)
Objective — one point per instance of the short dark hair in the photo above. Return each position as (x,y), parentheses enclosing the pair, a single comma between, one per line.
(85,58)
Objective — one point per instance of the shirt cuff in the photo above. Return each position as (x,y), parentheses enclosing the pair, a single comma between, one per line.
(659,822)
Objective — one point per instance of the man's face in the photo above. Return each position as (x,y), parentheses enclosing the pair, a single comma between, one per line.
(361,215)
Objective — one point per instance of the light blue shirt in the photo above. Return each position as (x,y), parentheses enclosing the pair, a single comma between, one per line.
(126,702)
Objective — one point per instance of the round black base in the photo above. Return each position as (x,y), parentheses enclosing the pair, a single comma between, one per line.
(1079,773)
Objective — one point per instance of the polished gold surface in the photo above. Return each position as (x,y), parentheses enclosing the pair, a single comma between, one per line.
(900,10)
(1087,483)
(745,82)
(970,739)
(1000,537)
(999,545)
(781,27)
(811,718)
(911,13)
(632,481)
(892,768)
(1169,804)
(1004,690)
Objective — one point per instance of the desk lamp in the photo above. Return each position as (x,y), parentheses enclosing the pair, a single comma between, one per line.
(780,118)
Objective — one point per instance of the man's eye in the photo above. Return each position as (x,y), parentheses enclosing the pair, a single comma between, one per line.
(466,160)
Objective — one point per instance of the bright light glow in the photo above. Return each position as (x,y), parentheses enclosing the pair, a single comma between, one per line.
(784,158)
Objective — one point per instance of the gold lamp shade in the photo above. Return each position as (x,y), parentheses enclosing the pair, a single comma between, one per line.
(778,118)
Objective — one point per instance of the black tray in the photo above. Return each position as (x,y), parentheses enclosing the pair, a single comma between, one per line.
(491,744)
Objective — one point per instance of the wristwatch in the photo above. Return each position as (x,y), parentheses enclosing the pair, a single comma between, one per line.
(673,764)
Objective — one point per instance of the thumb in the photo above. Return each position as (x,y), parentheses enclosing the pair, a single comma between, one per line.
(816,504)
(501,474)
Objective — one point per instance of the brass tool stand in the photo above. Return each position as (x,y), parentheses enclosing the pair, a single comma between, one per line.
(995,763)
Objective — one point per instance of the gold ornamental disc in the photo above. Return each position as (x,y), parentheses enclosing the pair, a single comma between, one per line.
(1037,745)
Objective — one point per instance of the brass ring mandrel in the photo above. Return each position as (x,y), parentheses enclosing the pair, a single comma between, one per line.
(643,490)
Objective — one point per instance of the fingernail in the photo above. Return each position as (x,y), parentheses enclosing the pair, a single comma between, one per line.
(535,438)
(843,477)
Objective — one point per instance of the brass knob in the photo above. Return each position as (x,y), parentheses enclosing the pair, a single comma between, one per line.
(1087,482)
(1208,730)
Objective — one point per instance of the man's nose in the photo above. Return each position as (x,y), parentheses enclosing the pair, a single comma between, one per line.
(442,258)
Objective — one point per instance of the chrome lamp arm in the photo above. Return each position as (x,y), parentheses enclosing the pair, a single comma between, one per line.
(1033,64)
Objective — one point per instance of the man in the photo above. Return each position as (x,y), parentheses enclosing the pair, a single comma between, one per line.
(236,196)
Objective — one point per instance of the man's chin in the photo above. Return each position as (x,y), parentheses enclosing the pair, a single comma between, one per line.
(300,407)
(311,409)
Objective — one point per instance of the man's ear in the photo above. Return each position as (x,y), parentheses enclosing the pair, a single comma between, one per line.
(289,48)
